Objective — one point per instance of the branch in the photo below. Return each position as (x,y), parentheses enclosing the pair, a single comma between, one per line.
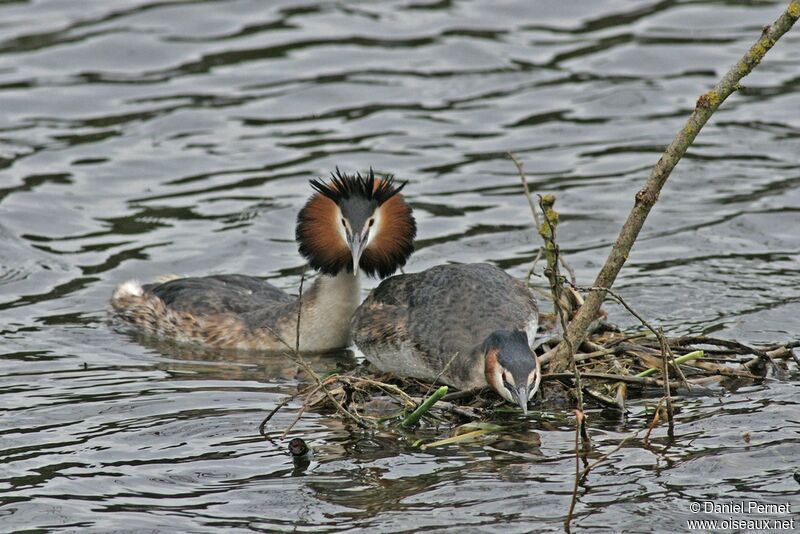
(706,105)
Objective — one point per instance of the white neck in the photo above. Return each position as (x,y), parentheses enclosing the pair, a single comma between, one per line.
(328,306)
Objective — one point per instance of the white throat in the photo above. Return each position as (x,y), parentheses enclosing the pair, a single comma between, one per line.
(328,307)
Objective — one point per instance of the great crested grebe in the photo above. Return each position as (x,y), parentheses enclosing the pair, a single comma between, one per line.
(474,317)
(350,222)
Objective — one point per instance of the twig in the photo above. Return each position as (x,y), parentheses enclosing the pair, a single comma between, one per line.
(525,187)
(605,456)
(537,222)
(271,414)
(451,360)
(595,354)
(603,399)
(300,413)
(764,355)
(299,314)
(646,198)
(569,269)
(456,395)
(533,266)
(667,396)
(783,346)
(579,424)
(653,423)
(458,411)
(534,212)
(389,389)
(645,382)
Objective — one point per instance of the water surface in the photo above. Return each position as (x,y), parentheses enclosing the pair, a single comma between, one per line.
(140,138)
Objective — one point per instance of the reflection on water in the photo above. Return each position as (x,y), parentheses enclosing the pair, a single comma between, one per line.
(142,138)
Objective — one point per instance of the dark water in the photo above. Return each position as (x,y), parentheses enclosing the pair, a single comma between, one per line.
(142,138)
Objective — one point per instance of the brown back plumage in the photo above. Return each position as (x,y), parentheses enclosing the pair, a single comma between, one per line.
(320,229)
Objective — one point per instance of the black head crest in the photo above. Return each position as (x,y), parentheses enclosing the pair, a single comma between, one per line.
(343,186)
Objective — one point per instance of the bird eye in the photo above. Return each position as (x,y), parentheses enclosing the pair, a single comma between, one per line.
(371,222)
(344,223)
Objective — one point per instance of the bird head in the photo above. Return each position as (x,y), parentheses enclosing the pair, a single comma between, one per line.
(511,368)
(355,221)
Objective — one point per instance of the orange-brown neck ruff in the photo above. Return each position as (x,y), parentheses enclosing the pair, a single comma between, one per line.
(394,242)
(318,226)
(318,237)
(492,369)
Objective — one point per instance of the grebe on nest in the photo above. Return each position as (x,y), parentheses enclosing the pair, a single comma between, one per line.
(350,222)
(476,315)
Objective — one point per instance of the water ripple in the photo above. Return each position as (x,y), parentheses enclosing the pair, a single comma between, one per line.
(135,134)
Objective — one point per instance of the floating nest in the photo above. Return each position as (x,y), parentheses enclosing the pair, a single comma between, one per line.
(613,365)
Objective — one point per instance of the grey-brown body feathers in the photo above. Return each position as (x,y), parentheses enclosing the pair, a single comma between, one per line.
(414,324)
(240,312)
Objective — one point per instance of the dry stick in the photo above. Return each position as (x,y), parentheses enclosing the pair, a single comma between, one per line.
(270,415)
(572,278)
(391,390)
(459,411)
(548,233)
(533,266)
(603,399)
(578,425)
(653,423)
(307,368)
(465,393)
(604,457)
(667,396)
(595,354)
(299,313)
(622,388)
(644,382)
(706,105)
(525,187)
(300,413)
(534,212)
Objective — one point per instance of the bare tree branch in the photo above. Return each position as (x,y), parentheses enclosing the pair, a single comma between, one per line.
(706,105)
